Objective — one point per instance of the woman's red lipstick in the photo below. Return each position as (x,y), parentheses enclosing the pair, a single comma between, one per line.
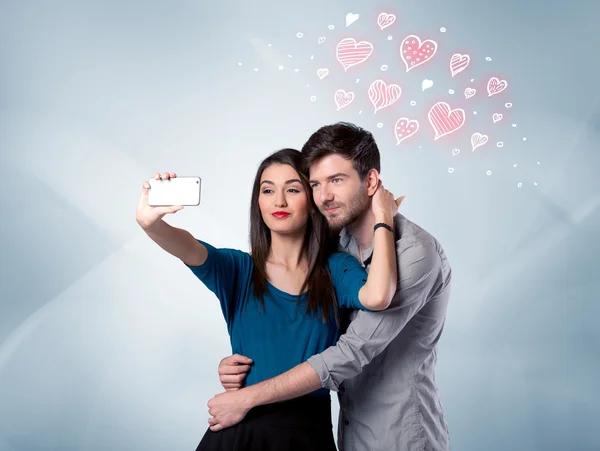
(281,214)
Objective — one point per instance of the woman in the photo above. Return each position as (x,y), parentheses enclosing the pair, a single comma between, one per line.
(280,302)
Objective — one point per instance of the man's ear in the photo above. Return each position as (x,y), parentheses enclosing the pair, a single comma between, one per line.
(372,181)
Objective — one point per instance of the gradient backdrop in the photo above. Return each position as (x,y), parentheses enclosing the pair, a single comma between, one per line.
(108,343)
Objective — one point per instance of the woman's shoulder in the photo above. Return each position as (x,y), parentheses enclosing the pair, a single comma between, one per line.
(340,259)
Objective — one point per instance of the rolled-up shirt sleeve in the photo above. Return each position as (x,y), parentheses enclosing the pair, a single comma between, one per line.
(420,274)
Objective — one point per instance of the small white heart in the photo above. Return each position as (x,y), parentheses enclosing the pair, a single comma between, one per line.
(351,18)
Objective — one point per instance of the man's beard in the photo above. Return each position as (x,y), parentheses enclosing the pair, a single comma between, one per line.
(349,214)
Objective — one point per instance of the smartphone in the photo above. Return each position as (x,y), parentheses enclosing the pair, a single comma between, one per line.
(181,190)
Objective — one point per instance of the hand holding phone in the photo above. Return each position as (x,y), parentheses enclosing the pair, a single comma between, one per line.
(166,194)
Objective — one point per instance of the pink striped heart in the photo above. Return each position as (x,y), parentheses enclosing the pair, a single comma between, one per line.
(382,95)
(445,120)
(496,86)
(350,53)
(458,63)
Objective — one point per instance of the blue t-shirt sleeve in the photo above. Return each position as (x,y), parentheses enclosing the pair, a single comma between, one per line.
(227,273)
(348,277)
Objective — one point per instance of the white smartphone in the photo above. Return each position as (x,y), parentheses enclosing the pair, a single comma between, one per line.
(183,191)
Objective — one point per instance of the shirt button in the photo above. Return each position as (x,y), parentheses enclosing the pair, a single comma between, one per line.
(346,422)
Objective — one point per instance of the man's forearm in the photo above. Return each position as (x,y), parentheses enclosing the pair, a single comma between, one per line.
(299,381)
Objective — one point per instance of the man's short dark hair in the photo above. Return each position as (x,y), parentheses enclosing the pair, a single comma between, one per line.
(347,140)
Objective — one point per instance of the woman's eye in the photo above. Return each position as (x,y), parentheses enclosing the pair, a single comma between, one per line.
(267,191)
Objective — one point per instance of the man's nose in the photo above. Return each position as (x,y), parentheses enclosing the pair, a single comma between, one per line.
(325,195)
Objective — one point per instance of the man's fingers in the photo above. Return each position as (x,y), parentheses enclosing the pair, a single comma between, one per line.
(231,387)
(233,369)
(236,359)
(216,428)
(400,200)
(232,378)
(242,359)
(213,421)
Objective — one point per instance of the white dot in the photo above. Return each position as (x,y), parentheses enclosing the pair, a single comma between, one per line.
(539,162)
(514,125)
(289,56)
(499,144)
(384,67)
(280,67)
(379,125)
(474,112)
(308,86)
(360,112)
(269,45)
(443,29)
(299,35)
(256,69)
(313,98)
(390,38)
(508,105)
(487,58)
(534,183)
(413,103)
(450,91)
(296,70)
(524,138)
(515,165)
(450,170)
(312,57)
(489,172)
(519,184)
(331,27)
(239,64)
(357,80)
(472,80)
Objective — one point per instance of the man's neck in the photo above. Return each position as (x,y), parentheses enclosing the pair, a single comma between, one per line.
(362,230)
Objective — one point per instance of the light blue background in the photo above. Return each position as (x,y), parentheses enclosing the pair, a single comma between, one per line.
(108,343)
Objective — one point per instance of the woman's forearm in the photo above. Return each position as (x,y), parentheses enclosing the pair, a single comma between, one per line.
(177,242)
(378,291)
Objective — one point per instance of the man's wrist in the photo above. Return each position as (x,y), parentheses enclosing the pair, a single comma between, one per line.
(250,398)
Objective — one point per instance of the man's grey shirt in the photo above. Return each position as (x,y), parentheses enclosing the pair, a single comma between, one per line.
(383,366)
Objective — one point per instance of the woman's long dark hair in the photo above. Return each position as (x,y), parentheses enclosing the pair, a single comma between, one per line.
(318,243)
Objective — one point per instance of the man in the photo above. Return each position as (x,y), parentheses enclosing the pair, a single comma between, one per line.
(383,365)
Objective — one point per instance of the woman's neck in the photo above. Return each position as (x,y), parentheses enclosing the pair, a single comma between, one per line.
(287,250)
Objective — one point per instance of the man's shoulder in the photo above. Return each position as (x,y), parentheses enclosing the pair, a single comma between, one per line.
(413,242)
(409,233)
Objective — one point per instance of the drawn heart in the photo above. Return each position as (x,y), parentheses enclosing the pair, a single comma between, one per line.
(478,140)
(350,53)
(414,52)
(455,151)
(343,98)
(458,63)
(470,92)
(384,20)
(496,86)
(322,73)
(445,120)
(321,40)
(351,18)
(382,95)
(405,128)
(497,117)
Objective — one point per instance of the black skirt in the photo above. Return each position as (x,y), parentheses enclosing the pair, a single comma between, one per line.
(302,424)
